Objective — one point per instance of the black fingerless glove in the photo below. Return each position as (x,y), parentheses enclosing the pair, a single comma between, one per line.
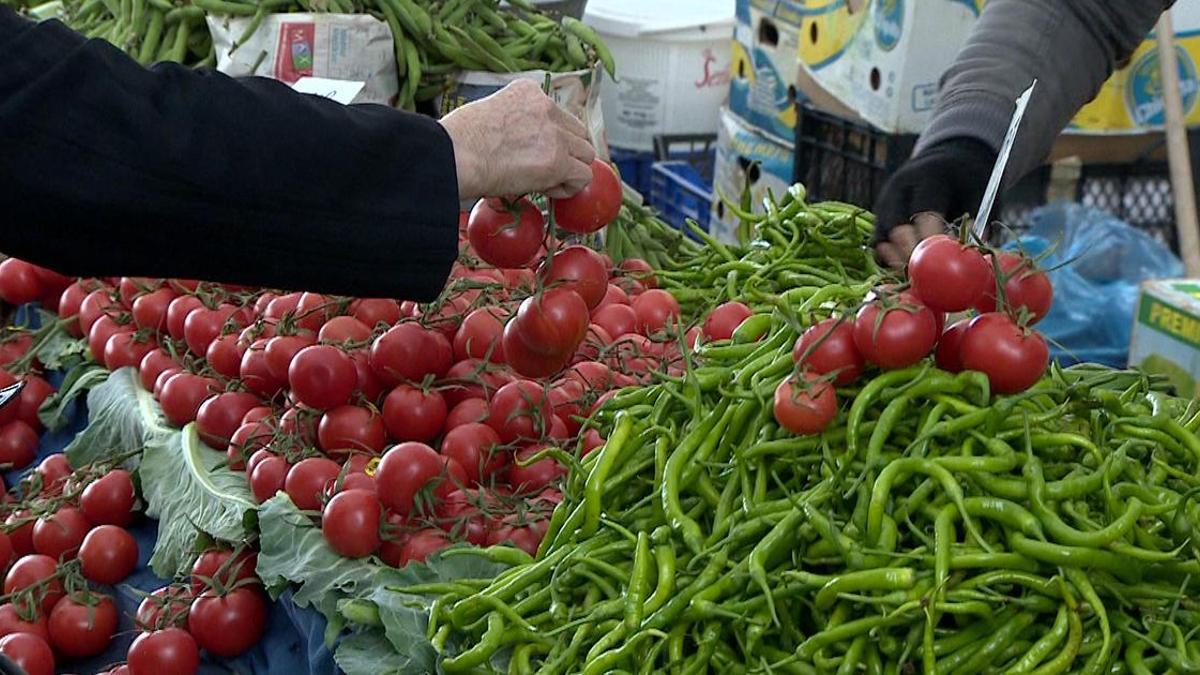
(947,178)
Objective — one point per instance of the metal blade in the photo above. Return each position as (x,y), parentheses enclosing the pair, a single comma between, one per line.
(11,392)
(979,229)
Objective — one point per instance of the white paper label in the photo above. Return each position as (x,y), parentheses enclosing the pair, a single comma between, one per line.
(342,91)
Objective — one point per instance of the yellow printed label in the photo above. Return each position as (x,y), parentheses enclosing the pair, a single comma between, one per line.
(1174,322)
(372,467)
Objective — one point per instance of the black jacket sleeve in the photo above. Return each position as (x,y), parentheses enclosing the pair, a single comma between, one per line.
(111,169)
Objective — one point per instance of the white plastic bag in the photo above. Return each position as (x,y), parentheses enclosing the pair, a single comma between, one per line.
(287,47)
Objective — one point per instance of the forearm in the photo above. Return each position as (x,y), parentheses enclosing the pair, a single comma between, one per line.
(111,169)
(1070,46)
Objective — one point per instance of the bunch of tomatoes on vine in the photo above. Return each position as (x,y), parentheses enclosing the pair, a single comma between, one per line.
(998,295)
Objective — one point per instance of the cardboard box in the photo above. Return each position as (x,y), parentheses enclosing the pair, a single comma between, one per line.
(883,59)
(1166,332)
(746,157)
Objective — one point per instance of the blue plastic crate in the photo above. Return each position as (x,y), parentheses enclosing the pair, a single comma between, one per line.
(680,192)
(635,167)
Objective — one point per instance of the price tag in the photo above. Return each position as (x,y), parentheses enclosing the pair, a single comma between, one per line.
(342,91)
(372,467)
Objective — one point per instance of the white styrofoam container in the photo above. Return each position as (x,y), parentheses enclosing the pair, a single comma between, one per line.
(672,66)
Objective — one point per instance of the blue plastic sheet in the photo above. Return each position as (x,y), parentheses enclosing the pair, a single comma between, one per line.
(1097,263)
(294,640)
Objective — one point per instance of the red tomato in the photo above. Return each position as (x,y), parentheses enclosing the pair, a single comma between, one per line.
(267,477)
(7,553)
(534,477)
(82,629)
(221,415)
(225,355)
(163,378)
(350,523)
(479,336)
(805,409)
(228,625)
(567,400)
(53,471)
(108,500)
(312,310)
(828,347)
(220,567)
(477,448)
(351,429)
(322,377)
(592,375)
(20,535)
(299,425)
(172,650)
(1012,358)
(256,374)
(462,515)
(640,271)
(616,320)
(153,365)
(259,413)
(27,651)
(204,325)
(523,537)
(897,335)
(948,276)
(506,234)
(654,310)
(126,350)
(579,269)
(613,295)
(527,361)
(401,354)
(19,282)
(423,544)
(166,607)
(69,302)
(1028,290)
(467,411)
(726,317)
(281,350)
(35,570)
(408,470)
(14,620)
(249,438)
(309,480)
(182,397)
(18,444)
(96,304)
(130,288)
(59,534)
(369,385)
(108,555)
(177,313)
(101,332)
(553,324)
(412,414)
(519,409)
(375,312)
(283,306)
(949,349)
(342,330)
(595,206)
(591,441)
(150,309)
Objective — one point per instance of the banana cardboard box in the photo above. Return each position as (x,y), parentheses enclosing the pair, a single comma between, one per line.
(1166,333)
(765,68)
(746,158)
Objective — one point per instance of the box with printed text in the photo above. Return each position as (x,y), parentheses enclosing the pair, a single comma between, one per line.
(1166,333)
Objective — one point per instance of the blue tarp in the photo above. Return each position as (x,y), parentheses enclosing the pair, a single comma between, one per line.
(294,642)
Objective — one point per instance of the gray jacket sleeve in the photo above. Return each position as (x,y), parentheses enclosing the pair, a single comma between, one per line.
(1070,46)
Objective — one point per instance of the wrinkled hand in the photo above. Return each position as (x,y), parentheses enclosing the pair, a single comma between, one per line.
(942,183)
(518,141)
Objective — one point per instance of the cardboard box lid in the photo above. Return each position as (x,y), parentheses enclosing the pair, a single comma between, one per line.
(634,18)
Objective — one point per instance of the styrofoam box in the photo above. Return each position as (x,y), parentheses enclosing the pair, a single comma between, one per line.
(672,66)
(746,156)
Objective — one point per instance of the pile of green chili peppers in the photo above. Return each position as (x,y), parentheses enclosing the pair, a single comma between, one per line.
(932,528)
(792,245)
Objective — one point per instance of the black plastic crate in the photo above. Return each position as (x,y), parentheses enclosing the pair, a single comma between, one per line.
(845,160)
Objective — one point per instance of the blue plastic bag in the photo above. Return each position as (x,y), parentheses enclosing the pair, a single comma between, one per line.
(1097,263)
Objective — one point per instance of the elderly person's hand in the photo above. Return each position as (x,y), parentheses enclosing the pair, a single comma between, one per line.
(518,141)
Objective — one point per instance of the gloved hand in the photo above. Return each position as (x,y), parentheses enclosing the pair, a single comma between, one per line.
(937,186)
